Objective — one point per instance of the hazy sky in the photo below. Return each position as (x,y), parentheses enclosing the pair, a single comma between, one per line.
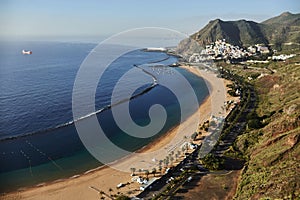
(65,19)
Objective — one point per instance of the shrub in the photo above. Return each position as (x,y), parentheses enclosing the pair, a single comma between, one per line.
(122,197)
(213,162)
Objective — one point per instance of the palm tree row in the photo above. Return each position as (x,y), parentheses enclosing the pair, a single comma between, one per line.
(162,164)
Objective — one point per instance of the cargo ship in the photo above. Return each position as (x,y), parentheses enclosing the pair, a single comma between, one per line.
(26,52)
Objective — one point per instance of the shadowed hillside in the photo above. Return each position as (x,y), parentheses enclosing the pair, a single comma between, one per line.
(241,33)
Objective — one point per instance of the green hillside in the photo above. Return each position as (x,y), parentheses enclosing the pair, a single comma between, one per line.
(272,149)
(270,144)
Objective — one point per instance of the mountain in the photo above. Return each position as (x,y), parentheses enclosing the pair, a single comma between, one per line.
(241,33)
(283,29)
(285,18)
(278,31)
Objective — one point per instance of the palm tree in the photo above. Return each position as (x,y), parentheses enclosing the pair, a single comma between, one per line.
(101,192)
(171,159)
(178,152)
(132,170)
(146,172)
(154,171)
(176,156)
(183,148)
(194,136)
(159,168)
(167,158)
(167,162)
(186,147)
(110,191)
(160,162)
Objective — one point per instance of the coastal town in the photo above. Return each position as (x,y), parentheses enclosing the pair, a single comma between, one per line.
(220,50)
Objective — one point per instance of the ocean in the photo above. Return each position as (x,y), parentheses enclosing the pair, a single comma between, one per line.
(38,139)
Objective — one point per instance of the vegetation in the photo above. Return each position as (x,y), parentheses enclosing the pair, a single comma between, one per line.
(194,136)
(270,142)
(123,197)
(204,126)
(287,31)
(132,170)
(147,173)
(212,162)
(153,171)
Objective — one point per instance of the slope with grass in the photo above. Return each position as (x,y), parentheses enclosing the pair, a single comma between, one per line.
(283,30)
(271,145)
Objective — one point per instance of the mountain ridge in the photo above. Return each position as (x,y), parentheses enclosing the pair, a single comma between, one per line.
(276,32)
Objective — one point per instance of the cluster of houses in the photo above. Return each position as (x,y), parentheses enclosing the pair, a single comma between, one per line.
(283,57)
(188,145)
(221,50)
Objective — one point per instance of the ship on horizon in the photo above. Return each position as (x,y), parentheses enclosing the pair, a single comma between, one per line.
(26,52)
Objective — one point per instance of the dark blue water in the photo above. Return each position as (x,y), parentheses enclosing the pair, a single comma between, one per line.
(36,143)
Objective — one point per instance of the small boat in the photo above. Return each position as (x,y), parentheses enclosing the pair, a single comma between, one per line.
(26,52)
(176,64)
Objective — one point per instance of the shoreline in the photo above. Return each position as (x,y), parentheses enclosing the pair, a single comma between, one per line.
(105,177)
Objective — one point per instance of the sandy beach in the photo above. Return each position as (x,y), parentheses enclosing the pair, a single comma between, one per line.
(88,186)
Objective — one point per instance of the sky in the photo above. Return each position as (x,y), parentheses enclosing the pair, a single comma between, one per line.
(97,19)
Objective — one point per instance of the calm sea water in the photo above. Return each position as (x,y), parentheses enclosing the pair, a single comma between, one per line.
(37,143)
